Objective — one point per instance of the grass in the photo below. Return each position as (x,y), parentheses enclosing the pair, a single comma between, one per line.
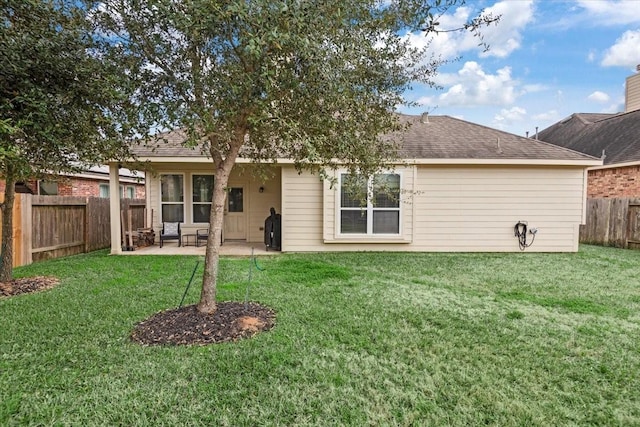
(361,339)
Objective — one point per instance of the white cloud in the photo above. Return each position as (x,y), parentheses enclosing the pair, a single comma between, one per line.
(532,88)
(617,106)
(514,114)
(472,86)
(547,116)
(598,96)
(506,36)
(626,51)
(608,12)
(503,38)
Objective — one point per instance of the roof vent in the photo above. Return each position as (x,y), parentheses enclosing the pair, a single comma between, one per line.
(424,118)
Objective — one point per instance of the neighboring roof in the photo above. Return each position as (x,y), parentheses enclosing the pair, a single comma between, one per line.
(101,173)
(437,138)
(618,135)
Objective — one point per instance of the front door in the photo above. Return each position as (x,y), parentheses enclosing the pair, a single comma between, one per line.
(234,217)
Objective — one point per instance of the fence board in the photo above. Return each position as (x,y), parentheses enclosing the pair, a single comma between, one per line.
(98,224)
(612,222)
(633,226)
(48,227)
(57,226)
(596,229)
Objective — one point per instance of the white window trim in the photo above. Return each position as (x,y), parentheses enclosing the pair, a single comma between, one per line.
(369,236)
(184,192)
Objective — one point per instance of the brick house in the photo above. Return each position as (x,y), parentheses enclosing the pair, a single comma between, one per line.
(93,182)
(613,137)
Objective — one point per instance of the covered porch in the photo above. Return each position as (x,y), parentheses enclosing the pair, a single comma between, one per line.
(179,190)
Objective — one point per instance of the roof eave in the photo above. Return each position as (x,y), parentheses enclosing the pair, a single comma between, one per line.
(537,162)
(616,165)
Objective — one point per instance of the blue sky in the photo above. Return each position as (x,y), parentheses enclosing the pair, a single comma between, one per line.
(548,59)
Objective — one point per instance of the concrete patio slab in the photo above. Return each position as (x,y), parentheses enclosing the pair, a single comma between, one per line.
(229,248)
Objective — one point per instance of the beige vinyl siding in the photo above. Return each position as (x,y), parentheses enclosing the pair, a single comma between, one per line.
(452,208)
(256,204)
(632,93)
(302,211)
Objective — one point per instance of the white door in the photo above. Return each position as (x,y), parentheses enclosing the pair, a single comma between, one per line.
(234,216)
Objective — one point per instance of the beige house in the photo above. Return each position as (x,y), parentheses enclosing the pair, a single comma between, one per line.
(461,187)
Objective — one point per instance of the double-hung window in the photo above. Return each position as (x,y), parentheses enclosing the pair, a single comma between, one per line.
(370,206)
(202,186)
(172,197)
(104,190)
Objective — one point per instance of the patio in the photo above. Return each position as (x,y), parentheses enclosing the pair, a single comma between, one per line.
(229,248)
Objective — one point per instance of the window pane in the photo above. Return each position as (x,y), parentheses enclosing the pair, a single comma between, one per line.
(48,188)
(172,213)
(353,192)
(353,222)
(172,188)
(201,212)
(235,200)
(387,191)
(104,190)
(130,192)
(202,188)
(386,222)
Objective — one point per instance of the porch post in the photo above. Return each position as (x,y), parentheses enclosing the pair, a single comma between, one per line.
(114,208)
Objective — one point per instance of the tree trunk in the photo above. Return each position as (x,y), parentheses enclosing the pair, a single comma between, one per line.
(223,167)
(6,266)
(207,302)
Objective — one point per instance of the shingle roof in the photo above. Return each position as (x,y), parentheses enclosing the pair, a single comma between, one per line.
(444,137)
(167,144)
(438,137)
(618,135)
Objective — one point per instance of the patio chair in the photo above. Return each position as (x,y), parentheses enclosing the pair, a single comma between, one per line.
(171,231)
(202,235)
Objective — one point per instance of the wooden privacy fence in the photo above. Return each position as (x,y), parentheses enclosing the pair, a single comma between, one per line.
(46,227)
(612,222)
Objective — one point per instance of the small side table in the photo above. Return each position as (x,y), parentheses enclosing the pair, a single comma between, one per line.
(189,240)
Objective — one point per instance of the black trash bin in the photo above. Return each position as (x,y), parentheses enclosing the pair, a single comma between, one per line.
(272,231)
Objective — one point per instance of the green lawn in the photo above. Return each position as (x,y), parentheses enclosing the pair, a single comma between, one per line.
(360,339)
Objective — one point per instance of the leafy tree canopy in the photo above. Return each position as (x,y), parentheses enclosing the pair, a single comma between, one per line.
(316,82)
(59,96)
(63,100)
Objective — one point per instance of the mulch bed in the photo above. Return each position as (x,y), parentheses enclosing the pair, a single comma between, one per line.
(27,285)
(186,326)
(232,321)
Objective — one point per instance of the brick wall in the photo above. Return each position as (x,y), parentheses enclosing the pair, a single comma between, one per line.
(82,187)
(614,182)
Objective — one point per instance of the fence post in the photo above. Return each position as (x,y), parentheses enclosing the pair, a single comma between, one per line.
(86,225)
(27,228)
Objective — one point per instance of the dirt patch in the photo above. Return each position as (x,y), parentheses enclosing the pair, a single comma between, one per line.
(27,285)
(186,326)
